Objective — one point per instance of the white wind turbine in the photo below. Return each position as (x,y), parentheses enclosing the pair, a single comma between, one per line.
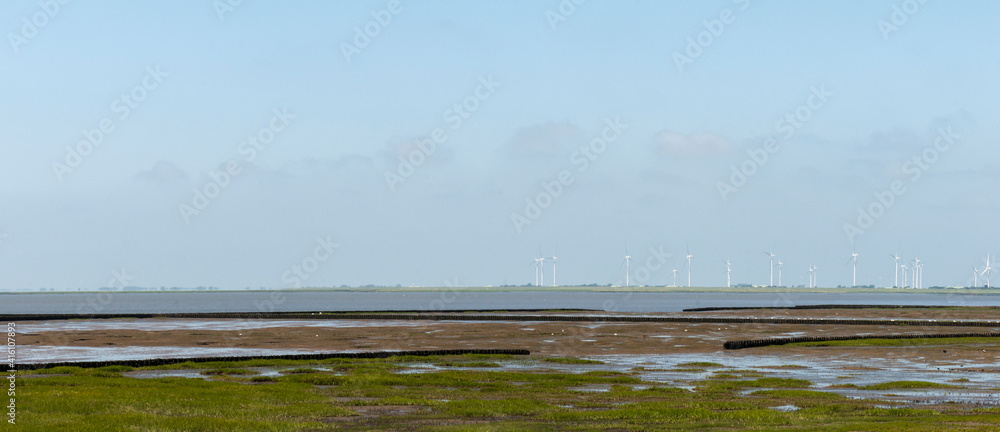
(675,277)
(689,256)
(975,277)
(854,278)
(729,271)
(770,281)
(779,271)
(895,267)
(987,271)
(904,267)
(812,276)
(541,267)
(554,258)
(914,277)
(536,263)
(628,259)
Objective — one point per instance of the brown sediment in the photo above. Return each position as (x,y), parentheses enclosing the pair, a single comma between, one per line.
(544,338)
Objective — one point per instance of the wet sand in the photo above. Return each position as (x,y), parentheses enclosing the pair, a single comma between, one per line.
(543,338)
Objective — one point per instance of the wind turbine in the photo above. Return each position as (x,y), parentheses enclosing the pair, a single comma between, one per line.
(675,277)
(779,272)
(975,277)
(689,256)
(854,278)
(729,270)
(628,259)
(904,267)
(812,276)
(770,281)
(541,267)
(987,271)
(895,283)
(554,258)
(916,272)
(536,270)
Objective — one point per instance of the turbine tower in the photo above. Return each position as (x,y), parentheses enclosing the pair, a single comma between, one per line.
(975,277)
(895,267)
(689,256)
(675,277)
(904,267)
(536,270)
(987,271)
(770,281)
(541,269)
(779,272)
(854,277)
(729,270)
(628,259)
(554,258)
(812,276)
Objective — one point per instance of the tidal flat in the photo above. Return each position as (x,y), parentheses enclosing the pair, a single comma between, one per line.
(580,375)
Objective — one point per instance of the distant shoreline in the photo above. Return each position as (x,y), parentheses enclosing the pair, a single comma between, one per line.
(644,289)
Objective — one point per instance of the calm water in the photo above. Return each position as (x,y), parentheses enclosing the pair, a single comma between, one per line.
(258,301)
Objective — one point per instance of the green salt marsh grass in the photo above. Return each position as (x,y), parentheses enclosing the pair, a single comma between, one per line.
(362,395)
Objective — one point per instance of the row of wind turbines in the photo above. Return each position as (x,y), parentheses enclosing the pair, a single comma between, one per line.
(916,273)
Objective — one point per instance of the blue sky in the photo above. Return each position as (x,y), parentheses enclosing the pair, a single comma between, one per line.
(322,179)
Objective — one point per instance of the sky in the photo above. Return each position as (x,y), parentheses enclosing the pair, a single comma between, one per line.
(449,143)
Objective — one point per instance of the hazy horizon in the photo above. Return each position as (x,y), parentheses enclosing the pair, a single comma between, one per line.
(278,145)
